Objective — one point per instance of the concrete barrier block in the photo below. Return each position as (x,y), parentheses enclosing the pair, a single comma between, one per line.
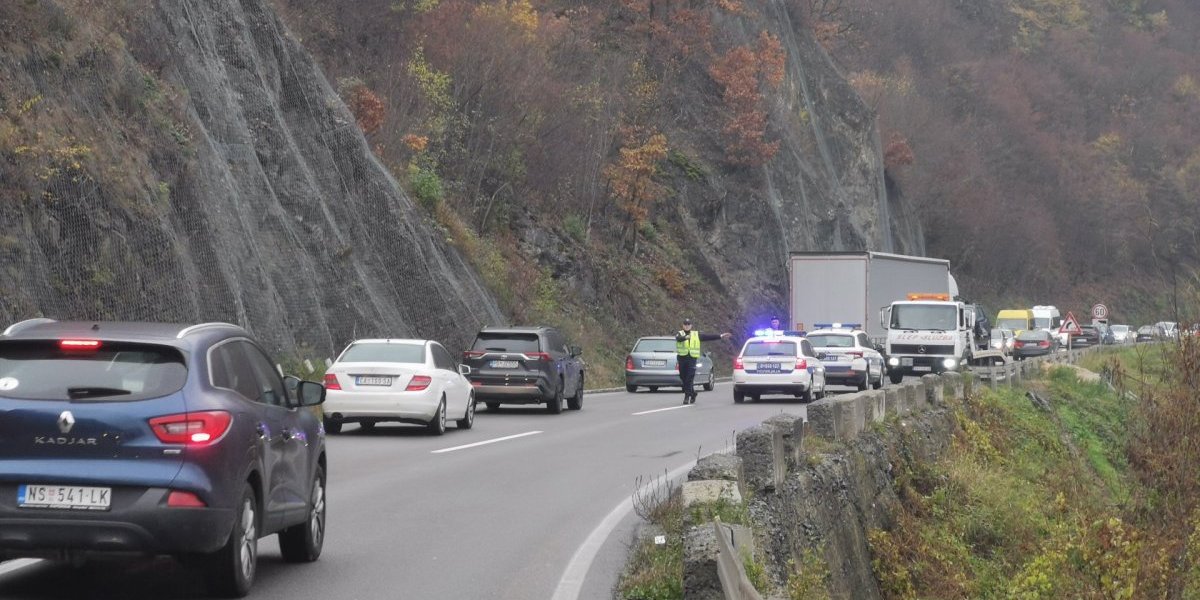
(933,390)
(763,461)
(893,400)
(695,492)
(701,580)
(915,391)
(792,428)
(820,419)
(849,417)
(877,406)
(969,382)
(726,467)
(953,385)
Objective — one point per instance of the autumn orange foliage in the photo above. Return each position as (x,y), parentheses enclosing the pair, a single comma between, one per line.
(631,177)
(742,73)
(367,106)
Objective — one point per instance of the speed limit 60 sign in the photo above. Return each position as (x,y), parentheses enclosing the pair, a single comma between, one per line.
(1099,311)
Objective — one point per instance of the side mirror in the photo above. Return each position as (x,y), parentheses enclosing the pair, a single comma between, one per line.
(576,351)
(464,369)
(885,315)
(311,393)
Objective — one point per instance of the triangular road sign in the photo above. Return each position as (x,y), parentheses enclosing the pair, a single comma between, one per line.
(1070,325)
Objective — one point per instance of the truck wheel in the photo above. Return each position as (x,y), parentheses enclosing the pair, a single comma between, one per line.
(895,377)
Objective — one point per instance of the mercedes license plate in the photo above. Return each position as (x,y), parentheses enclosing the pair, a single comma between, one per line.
(654,363)
(921,368)
(361,380)
(64,496)
(504,364)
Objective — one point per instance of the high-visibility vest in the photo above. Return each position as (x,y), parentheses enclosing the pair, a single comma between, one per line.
(690,346)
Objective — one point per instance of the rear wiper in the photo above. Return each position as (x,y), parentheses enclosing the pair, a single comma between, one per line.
(94,392)
(497,349)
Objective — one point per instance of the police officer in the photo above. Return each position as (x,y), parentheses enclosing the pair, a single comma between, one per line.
(776,325)
(687,346)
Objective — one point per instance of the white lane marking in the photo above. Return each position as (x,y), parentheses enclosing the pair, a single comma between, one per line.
(571,582)
(647,412)
(18,564)
(486,442)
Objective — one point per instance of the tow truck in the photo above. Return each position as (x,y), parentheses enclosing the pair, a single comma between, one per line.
(930,333)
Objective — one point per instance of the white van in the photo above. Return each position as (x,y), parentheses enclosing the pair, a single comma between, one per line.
(1047,318)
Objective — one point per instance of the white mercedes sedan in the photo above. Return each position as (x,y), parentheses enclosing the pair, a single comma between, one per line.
(404,381)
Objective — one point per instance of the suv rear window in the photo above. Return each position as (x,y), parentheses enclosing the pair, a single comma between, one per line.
(397,353)
(770,349)
(116,371)
(507,342)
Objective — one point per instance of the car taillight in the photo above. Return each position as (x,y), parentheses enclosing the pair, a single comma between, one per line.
(537,356)
(628,363)
(1018,344)
(193,428)
(1044,344)
(801,364)
(473,354)
(737,364)
(79,344)
(418,383)
(177,499)
(331,382)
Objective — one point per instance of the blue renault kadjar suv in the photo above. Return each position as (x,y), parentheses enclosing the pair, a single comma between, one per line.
(149,439)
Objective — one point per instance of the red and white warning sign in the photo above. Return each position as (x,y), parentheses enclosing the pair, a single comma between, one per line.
(1070,325)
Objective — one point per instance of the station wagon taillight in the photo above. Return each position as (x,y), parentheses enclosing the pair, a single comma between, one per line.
(193,428)
(418,383)
(331,382)
(738,364)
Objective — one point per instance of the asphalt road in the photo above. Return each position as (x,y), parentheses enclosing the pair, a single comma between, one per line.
(542,514)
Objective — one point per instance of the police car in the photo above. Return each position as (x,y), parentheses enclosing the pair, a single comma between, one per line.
(778,363)
(848,355)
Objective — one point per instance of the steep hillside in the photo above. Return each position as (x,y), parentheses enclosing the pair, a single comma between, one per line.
(609,166)
(188,161)
(1055,145)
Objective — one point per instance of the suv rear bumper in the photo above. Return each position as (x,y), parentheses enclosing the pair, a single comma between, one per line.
(513,392)
(146,527)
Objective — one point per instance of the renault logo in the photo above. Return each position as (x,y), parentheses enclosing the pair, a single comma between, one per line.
(66,421)
(921,349)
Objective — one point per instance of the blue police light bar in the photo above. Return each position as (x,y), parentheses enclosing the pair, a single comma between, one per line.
(838,325)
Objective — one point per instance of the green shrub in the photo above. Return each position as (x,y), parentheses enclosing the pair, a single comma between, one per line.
(575,227)
(426,186)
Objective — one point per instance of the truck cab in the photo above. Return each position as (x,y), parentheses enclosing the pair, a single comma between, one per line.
(927,333)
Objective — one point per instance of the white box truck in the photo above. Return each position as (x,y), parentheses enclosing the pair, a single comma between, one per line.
(852,287)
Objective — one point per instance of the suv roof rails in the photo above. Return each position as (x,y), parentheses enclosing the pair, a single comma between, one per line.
(186,331)
(27,323)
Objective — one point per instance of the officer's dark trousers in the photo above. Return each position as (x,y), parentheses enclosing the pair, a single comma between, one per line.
(687,372)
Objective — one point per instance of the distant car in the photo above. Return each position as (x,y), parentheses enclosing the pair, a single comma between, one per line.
(983,327)
(1035,342)
(150,439)
(1088,336)
(1168,329)
(1146,333)
(1122,334)
(778,365)
(525,365)
(848,356)
(1002,340)
(654,362)
(404,381)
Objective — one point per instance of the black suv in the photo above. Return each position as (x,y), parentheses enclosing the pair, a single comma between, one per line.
(149,438)
(525,365)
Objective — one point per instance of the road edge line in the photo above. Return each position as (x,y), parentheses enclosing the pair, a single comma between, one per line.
(570,584)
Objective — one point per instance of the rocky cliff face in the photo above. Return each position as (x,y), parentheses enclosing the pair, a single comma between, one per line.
(189,162)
